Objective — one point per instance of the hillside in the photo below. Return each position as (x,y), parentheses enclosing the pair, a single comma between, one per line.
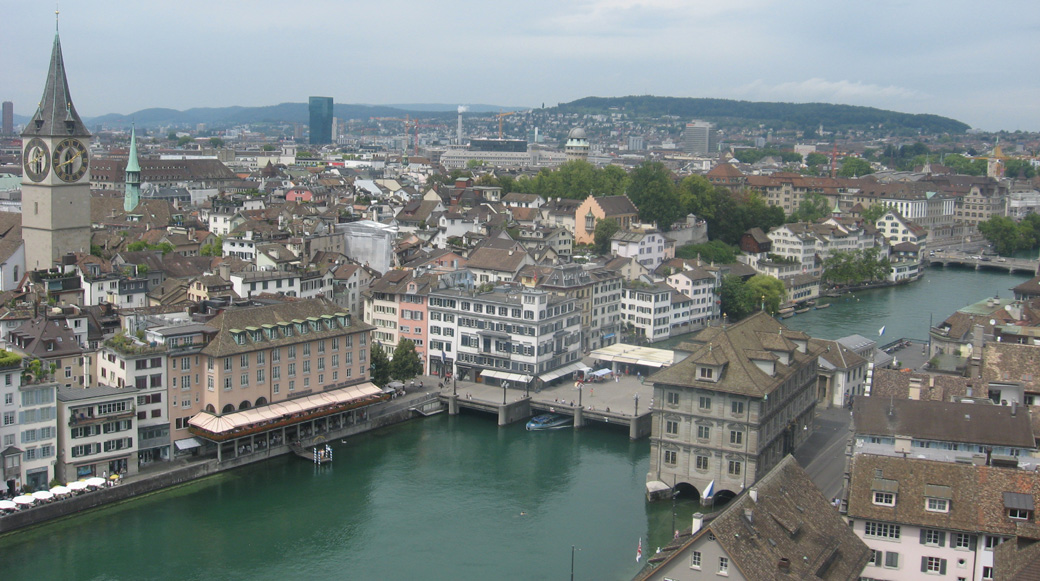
(805,116)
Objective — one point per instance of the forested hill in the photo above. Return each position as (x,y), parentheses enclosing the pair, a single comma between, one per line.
(804,116)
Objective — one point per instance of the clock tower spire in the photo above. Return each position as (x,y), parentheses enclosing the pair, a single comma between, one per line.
(132,192)
(56,176)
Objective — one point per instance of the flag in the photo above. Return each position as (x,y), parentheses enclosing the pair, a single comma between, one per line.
(639,550)
(442,356)
(881,331)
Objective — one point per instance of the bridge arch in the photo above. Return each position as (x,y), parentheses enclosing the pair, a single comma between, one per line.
(685,490)
(723,497)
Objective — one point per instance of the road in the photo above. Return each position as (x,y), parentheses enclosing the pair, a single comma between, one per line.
(823,454)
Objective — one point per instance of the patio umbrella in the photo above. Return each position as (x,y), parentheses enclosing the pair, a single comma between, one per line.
(43,495)
(7,505)
(61,490)
(24,499)
(114,477)
(95,481)
(77,485)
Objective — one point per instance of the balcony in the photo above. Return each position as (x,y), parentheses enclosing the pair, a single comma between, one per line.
(76,420)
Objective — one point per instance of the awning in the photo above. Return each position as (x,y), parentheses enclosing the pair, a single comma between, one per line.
(187,444)
(561,371)
(601,372)
(227,423)
(634,355)
(506,376)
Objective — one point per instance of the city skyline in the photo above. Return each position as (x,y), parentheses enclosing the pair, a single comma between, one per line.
(126,57)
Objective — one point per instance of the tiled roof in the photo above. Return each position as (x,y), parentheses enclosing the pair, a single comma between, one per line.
(1010,363)
(942,421)
(893,383)
(616,205)
(759,332)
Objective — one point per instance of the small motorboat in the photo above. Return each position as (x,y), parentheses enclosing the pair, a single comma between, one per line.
(800,311)
(549,422)
(823,306)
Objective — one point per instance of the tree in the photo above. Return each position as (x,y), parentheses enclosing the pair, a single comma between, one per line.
(715,251)
(172,136)
(1003,233)
(854,167)
(605,229)
(216,142)
(1019,168)
(697,196)
(380,372)
(812,208)
(814,159)
(653,192)
(406,363)
(185,140)
(874,213)
(736,298)
(214,249)
(267,147)
(768,290)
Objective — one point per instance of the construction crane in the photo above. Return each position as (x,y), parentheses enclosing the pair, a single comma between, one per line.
(500,116)
(415,127)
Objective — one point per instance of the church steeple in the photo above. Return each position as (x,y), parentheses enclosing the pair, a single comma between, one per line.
(56,115)
(132,193)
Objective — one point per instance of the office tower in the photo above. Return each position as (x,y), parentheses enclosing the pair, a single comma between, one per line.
(8,125)
(321,120)
(698,138)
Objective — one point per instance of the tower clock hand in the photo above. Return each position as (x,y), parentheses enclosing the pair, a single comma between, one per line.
(71,159)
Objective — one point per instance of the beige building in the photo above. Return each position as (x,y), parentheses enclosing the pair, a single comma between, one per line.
(97,432)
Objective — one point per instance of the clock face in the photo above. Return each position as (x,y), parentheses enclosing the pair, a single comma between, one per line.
(70,160)
(36,159)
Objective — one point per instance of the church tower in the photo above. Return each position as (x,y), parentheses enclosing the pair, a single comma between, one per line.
(132,193)
(56,174)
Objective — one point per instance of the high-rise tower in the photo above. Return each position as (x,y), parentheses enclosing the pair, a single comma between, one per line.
(7,128)
(577,145)
(56,174)
(321,120)
(132,191)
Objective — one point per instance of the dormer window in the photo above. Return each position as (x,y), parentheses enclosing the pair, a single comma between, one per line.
(707,373)
(937,498)
(885,491)
(1019,506)
(884,498)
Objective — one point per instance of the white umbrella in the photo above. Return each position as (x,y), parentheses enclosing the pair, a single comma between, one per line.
(61,490)
(77,485)
(98,482)
(7,505)
(24,499)
(43,495)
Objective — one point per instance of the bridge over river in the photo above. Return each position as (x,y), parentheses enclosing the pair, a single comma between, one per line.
(979,262)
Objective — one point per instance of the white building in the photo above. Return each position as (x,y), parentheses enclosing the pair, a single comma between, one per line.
(701,286)
(28,431)
(126,363)
(100,434)
(647,309)
(649,248)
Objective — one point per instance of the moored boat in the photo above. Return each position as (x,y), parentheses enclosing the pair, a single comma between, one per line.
(823,306)
(548,422)
(800,311)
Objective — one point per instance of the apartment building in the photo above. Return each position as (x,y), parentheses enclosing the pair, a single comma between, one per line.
(646,309)
(97,432)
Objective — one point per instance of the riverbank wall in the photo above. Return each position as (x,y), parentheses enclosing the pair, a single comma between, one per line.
(393,412)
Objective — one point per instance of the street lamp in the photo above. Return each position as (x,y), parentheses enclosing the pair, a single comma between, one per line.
(675,494)
(637,405)
(505,384)
(580,390)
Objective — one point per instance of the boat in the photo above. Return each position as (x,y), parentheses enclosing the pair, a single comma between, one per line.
(823,306)
(800,311)
(786,310)
(787,315)
(549,422)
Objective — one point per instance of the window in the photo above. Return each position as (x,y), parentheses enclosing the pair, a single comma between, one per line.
(987,573)
(880,530)
(875,558)
(933,537)
(937,505)
(884,498)
(1018,513)
(673,398)
(734,468)
(243,360)
(704,432)
(702,462)
(963,541)
(704,403)
(723,565)
(671,427)
(670,457)
(736,437)
(892,560)
(244,380)
(992,541)
(707,372)
(737,408)
(933,565)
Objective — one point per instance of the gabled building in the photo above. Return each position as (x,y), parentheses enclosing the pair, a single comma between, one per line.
(649,247)
(842,374)
(728,413)
(593,209)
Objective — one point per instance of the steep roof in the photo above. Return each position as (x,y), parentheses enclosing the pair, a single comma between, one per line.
(56,115)
(616,205)
(734,347)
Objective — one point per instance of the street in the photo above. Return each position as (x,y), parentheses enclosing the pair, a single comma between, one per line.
(823,454)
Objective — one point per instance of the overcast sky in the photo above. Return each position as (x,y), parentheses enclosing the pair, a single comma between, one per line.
(973,61)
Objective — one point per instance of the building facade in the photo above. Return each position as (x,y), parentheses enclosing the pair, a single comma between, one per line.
(320,109)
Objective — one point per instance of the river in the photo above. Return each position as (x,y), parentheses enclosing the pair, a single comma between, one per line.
(437,498)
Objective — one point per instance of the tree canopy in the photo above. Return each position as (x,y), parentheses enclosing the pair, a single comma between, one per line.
(854,167)
(604,230)
(406,363)
(715,251)
(812,208)
(855,267)
(380,372)
(1009,236)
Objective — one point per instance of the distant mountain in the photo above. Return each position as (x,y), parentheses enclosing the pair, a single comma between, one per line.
(805,116)
(442,108)
(230,116)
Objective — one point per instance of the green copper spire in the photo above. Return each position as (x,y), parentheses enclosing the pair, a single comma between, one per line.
(132,193)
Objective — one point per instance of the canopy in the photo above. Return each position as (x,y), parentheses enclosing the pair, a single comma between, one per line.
(506,376)
(61,490)
(283,409)
(187,444)
(561,371)
(7,505)
(24,499)
(95,481)
(635,355)
(601,372)
(77,485)
(43,495)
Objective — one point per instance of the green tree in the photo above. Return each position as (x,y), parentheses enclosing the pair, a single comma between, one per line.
(814,159)
(267,147)
(653,192)
(406,363)
(736,299)
(1019,168)
(768,289)
(172,136)
(216,142)
(872,214)
(697,196)
(715,251)
(1003,233)
(812,208)
(854,167)
(380,372)
(214,249)
(604,230)
(185,140)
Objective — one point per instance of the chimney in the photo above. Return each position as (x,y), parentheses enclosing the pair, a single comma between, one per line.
(698,522)
(753,493)
(784,565)
(1014,408)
